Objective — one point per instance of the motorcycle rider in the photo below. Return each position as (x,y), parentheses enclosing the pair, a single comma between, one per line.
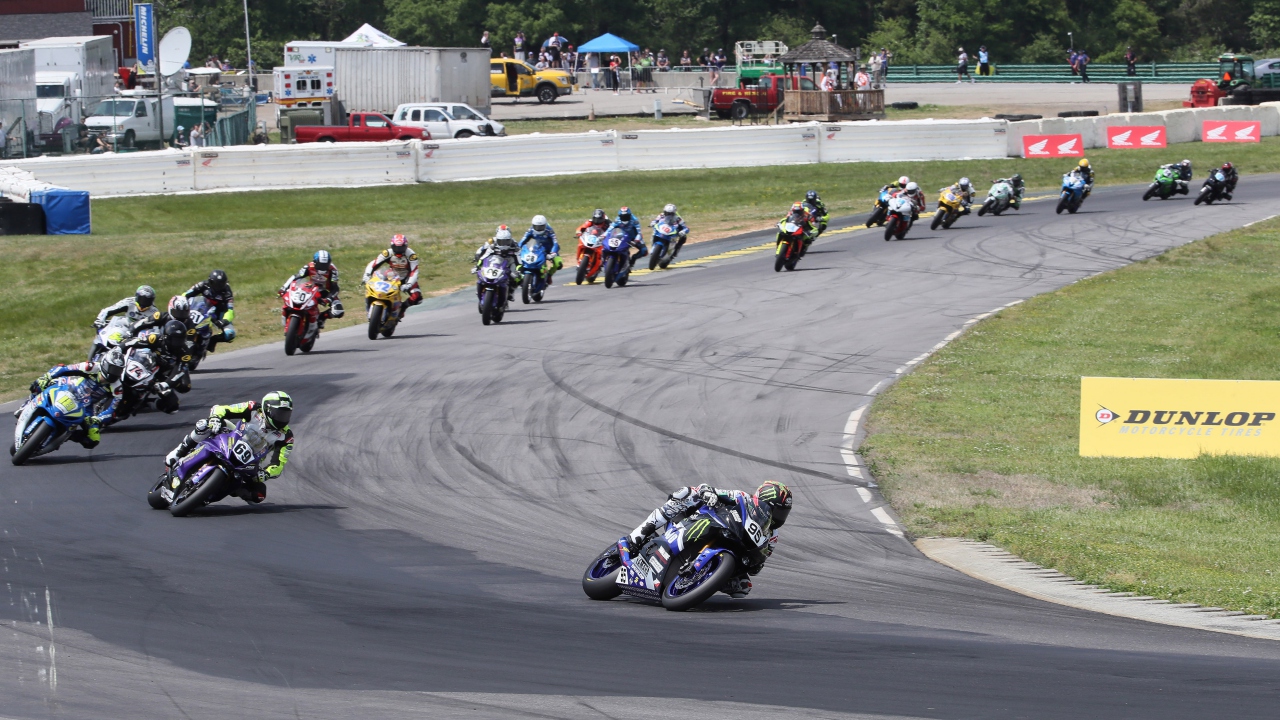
(631,230)
(1229,172)
(772,499)
(1085,171)
(669,216)
(169,343)
(404,261)
(800,215)
(1014,182)
(222,306)
(271,417)
(542,234)
(102,380)
(135,308)
(324,274)
(817,209)
(912,191)
(599,220)
(501,244)
(899,184)
(964,191)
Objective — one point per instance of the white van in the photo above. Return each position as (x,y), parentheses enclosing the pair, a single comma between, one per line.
(130,119)
(447,120)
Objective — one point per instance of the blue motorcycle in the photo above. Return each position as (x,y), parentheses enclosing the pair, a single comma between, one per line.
(666,242)
(880,212)
(687,562)
(533,261)
(617,258)
(1072,193)
(51,418)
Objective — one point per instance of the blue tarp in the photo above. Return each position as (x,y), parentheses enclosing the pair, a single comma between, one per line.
(66,212)
(608,43)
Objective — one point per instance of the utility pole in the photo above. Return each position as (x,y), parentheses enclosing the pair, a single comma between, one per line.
(248,51)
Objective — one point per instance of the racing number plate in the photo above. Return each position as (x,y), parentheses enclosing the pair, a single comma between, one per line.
(242,452)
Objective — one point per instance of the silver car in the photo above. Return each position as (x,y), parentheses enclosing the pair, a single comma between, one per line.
(447,120)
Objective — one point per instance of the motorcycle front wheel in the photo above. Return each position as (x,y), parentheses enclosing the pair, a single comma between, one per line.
(779,257)
(686,590)
(195,500)
(937,219)
(1062,205)
(486,306)
(890,228)
(610,270)
(155,499)
(34,442)
(583,265)
(877,217)
(375,321)
(600,581)
(524,288)
(655,256)
(1151,191)
(291,333)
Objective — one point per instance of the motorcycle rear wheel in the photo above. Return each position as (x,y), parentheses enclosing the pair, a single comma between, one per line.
(195,500)
(486,306)
(375,321)
(291,333)
(600,581)
(710,585)
(35,441)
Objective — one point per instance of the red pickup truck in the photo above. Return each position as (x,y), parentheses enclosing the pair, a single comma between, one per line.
(360,127)
(758,95)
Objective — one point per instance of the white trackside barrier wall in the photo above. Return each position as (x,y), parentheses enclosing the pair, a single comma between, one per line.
(1180,125)
(924,140)
(718,148)
(140,173)
(516,156)
(310,165)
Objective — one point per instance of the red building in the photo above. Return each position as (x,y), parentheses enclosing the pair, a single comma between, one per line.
(36,19)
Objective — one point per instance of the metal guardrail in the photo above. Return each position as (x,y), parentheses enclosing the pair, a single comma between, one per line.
(1104,72)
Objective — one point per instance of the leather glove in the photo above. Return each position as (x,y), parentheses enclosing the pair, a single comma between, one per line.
(262,475)
(35,387)
(709,495)
(99,324)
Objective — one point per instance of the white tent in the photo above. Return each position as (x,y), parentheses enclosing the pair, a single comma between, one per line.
(371,36)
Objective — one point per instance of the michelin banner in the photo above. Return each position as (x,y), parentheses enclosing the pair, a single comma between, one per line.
(1141,417)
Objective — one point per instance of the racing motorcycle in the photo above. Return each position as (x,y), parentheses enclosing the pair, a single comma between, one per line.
(899,220)
(617,258)
(686,563)
(111,335)
(666,241)
(1166,185)
(140,386)
(199,332)
(790,245)
(881,210)
(1214,188)
(949,209)
(1072,193)
(300,316)
(382,297)
(493,287)
(533,263)
(217,467)
(50,418)
(590,256)
(998,199)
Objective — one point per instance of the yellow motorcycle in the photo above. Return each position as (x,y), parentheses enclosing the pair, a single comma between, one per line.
(950,207)
(382,297)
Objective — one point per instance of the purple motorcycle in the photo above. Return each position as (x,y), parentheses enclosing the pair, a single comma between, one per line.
(218,466)
(493,285)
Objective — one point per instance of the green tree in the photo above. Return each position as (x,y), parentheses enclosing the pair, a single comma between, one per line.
(1264,23)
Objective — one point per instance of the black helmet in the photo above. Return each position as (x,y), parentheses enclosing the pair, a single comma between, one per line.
(173,336)
(277,409)
(217,280)
(144,296)
(1017,178)
(777,497)
(811,196)
(598,217)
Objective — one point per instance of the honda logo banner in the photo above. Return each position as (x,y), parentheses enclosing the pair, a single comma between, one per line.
(1231,131)
(1120,137)
(1052,146)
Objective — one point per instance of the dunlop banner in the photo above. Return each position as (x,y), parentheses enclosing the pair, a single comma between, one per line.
(1140,417)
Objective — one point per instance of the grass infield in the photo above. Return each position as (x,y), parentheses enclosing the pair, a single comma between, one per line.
(981,441)
(52,287)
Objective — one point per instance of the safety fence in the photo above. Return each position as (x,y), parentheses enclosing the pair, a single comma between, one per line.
(1149,72)
(1180,125)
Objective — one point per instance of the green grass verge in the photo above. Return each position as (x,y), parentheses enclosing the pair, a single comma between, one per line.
(50,288)
(981,441)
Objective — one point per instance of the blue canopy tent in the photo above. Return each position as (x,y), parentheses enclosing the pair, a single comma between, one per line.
(609,43)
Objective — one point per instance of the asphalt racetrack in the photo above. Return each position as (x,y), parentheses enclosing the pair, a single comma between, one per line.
(421,556)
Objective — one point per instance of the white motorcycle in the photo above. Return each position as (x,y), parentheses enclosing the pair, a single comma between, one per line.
(999,198)
(111,335)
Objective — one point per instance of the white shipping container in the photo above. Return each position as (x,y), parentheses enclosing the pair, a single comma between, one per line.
(380,79)
(90,58)
(17,91)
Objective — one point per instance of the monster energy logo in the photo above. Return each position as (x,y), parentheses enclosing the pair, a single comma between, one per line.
(696,530)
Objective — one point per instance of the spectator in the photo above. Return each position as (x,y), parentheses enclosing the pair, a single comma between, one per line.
(962,67)
(664,63)
(984,61)
(1130,62)
(1082,63)
(542,63)
(484,39)
(178,140)
(102,146)
(717,65)
(119,86)
(197,135)
(704,60)
(226,66)
(593,66)
(615,65)
(4,141)
(875,68)
(569,60)
(885,58)
(686,62)
(518,45)
(1073,59)
(83,141)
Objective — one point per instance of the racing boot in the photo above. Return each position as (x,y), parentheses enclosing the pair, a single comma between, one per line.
(92,435)
(252,492)
(739,586)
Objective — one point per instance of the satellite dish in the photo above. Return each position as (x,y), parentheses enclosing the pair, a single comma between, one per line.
(175,46)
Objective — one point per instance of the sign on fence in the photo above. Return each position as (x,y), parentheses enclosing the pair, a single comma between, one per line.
(1142,417)
(1052,146)
(1120,137)
(144,23)
(1231,131)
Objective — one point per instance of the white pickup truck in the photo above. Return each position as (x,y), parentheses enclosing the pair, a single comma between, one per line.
(447,120)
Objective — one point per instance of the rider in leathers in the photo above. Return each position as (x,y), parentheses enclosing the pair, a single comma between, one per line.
(963,190)
(599,220)
(1182,172)
(104,383)
(401,258)
(816,208)
(669,216)
(141,305)
(217,293)
(271,417)
(631,229)
(500,244)
(800,215)
(1232,176)
(772,500)
(541,233)
(324,274)
(1015,182)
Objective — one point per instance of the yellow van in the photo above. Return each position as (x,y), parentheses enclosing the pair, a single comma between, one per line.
(517,78)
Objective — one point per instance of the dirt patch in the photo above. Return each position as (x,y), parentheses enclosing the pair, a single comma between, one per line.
(987,488)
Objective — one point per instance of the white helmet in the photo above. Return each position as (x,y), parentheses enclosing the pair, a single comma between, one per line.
(904,180)
(669,209)
(912,188)
(504,233)
(964,182)
(539,222)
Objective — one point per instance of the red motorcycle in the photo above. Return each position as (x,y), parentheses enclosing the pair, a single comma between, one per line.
(790,245)
(301,315)
(590,255)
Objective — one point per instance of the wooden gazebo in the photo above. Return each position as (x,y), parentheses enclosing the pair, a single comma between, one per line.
(805,100)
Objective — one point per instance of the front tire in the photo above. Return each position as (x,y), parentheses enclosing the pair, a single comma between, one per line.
(654,257)
(877,217)
(34,442)
(779,257)
(375,321)
(937,219)
(196,499)
(983,210)
(155,499)
(524,288)
(291,333)
(890,228)
(610,270)
(725,569)
(600,581)
(1062,205)
(463,134)
(486,306)
(740,110)
(583,265)
(547,94)
(1151,191)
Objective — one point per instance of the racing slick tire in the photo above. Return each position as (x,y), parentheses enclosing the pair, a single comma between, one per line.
(600,581)
(34,442)
(709,584)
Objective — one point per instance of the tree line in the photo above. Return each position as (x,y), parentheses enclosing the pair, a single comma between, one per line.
(916,31)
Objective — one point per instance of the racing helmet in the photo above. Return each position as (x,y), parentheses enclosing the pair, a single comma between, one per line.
(539,223)
(904,180)
(277,409)
(144,296)
(399,245)
(111,365)
(599,217)
(624,213)
(798,208)
(179,308)
(1084,162)
(1017,178)
(321,259)
(173,336)
(503,233)
(669,209)
(777,497)
(811,196)
(1185,164)
(912,188)
(218,280)
(964,183)
(1228,166)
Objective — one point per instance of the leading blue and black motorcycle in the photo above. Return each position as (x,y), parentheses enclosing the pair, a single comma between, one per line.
(533,265)
(1072,195)
(617,257)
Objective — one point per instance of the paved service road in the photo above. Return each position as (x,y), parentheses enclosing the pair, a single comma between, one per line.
(422,556)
